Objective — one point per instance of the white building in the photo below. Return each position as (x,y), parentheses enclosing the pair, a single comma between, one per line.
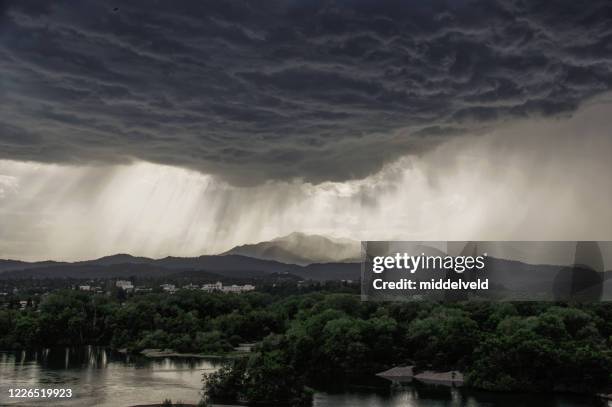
(218,286)
(143,290)
(169,288)
(238,288)
(209,288)
(126,285)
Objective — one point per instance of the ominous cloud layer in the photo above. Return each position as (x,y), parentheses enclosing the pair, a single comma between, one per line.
(260,90)
(506,185)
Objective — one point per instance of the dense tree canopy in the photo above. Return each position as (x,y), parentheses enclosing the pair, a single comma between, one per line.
(319,338)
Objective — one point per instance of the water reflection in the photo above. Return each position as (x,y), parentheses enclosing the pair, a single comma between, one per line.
(100,377)
(418,395)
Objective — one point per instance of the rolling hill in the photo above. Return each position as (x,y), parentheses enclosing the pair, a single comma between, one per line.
(230,266)
(302,249)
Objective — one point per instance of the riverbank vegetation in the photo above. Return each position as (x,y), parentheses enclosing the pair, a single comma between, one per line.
(325,338)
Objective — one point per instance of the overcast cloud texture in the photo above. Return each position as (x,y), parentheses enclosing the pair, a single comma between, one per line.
(258,90)
(532,180)
(181,128)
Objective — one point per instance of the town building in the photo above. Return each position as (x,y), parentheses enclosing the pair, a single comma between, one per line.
(126,285)
(169,288)
(209,288)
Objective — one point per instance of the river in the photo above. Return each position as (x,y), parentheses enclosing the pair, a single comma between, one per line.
(99,377)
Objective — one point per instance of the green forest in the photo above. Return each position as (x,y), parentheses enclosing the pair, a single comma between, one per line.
(311,340)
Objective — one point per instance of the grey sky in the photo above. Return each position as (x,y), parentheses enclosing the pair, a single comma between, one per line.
(313,90)
(546,179)
(181,128)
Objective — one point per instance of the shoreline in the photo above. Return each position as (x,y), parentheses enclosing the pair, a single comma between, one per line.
(169,353)
(451,378)
(186,405)
(400,374)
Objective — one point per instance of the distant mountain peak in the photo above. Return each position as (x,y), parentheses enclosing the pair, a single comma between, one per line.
(118,258)
(301,248)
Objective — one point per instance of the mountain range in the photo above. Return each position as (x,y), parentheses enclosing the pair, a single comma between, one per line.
(300,256)
(310,257)
(300,248)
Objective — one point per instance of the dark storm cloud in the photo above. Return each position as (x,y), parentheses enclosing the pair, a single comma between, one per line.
(250,91)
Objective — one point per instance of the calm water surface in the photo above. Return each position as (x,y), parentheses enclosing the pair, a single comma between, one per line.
(99,377)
